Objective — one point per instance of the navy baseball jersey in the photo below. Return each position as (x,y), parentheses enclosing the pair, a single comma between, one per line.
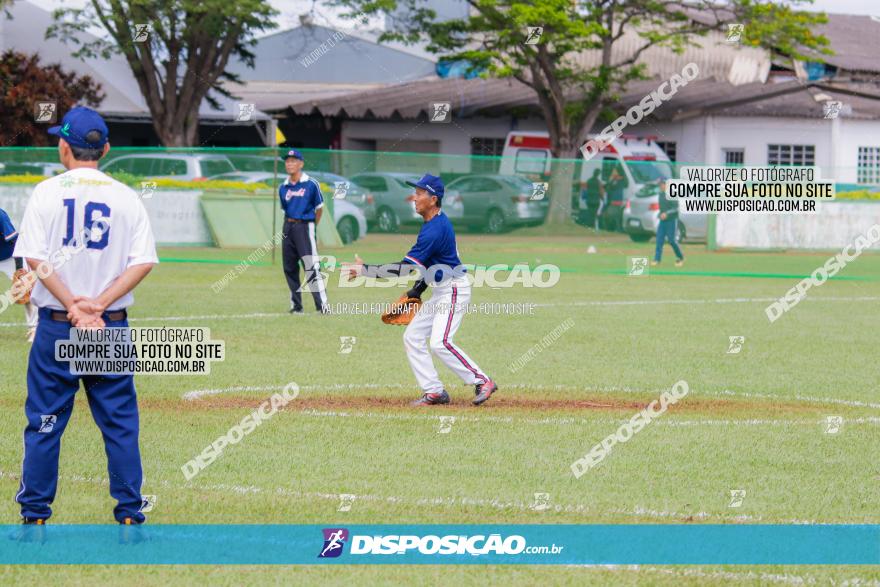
(434,246)
(300,200)
(8,232)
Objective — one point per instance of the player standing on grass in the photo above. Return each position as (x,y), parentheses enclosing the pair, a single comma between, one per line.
(88,238)
(667,227)
(10,265)
(303,205)
(435,255)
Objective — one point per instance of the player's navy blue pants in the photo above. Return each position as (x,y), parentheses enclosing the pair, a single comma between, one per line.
(299,244)
(666,231)
(51,391)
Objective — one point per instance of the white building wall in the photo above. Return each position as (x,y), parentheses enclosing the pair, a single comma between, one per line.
(754,134)
(698,140)
(686,134)
(855,134)
(703,139)
(452,138)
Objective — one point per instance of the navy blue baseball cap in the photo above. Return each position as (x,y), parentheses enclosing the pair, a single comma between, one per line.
(77,124)
(295,154)
(431,183)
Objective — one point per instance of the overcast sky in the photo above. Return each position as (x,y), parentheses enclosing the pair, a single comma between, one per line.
(291,9)
(870,7)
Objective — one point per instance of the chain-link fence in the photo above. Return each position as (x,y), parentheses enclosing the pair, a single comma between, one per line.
(367,190)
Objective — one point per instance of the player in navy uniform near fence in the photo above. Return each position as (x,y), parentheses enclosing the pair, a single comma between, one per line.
(88,238)
(303,204)
(435,256)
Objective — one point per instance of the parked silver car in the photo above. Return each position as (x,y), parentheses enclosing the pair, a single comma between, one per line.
(499,202)
(44,168)
(641,217)
(350,220)
(393,203)
(169,165)
(342,188)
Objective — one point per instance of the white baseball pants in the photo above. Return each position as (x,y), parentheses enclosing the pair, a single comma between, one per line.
(435,326)
(7,266)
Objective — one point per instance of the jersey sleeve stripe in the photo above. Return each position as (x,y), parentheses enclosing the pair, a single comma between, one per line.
(413,260)
(10,236)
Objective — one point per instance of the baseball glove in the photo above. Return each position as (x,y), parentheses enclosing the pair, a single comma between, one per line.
(22,284)
(402,311)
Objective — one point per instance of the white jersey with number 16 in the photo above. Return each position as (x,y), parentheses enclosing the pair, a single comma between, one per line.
(90,228)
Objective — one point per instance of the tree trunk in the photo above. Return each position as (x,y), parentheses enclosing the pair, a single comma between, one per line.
(562,177)
(186,135)
(169,135)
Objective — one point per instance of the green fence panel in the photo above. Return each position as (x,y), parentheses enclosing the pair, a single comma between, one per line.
(246,221)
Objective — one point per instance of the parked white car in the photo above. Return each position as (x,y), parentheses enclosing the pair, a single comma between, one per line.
(641,218)
(350,221)
(170,165)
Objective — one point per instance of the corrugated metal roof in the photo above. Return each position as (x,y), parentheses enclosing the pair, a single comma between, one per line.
(414,99)
(716,58)
(855,40)
(275,96)
(498,96)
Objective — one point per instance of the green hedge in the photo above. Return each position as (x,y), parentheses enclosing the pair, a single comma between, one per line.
(135,182)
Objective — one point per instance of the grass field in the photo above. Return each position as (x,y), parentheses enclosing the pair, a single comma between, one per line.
(753,421)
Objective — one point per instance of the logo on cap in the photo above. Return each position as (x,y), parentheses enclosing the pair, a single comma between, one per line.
(82,127)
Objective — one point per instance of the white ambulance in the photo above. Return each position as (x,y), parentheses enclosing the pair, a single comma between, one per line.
(640,161)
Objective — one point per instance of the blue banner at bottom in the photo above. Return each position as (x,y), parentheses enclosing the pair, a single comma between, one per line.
(442,544)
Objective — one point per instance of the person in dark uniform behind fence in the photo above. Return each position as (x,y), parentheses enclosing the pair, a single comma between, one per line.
(592,196)
(303,203)
(667,226)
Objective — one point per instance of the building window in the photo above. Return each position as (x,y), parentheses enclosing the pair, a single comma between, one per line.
(670,148)
(486,147)
(791,155)
(734,156)
(869,165)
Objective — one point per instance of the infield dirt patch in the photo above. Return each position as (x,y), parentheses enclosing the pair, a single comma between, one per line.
(339,402)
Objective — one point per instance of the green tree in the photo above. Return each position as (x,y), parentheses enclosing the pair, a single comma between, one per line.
(179,58)
(24,81)
(572,97)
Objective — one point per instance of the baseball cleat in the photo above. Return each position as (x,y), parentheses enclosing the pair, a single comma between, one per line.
(432,399)
(298,311)
(484,391)
(679,263)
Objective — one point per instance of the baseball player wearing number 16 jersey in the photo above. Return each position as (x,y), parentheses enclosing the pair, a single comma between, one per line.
(88,238)
(435,256)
